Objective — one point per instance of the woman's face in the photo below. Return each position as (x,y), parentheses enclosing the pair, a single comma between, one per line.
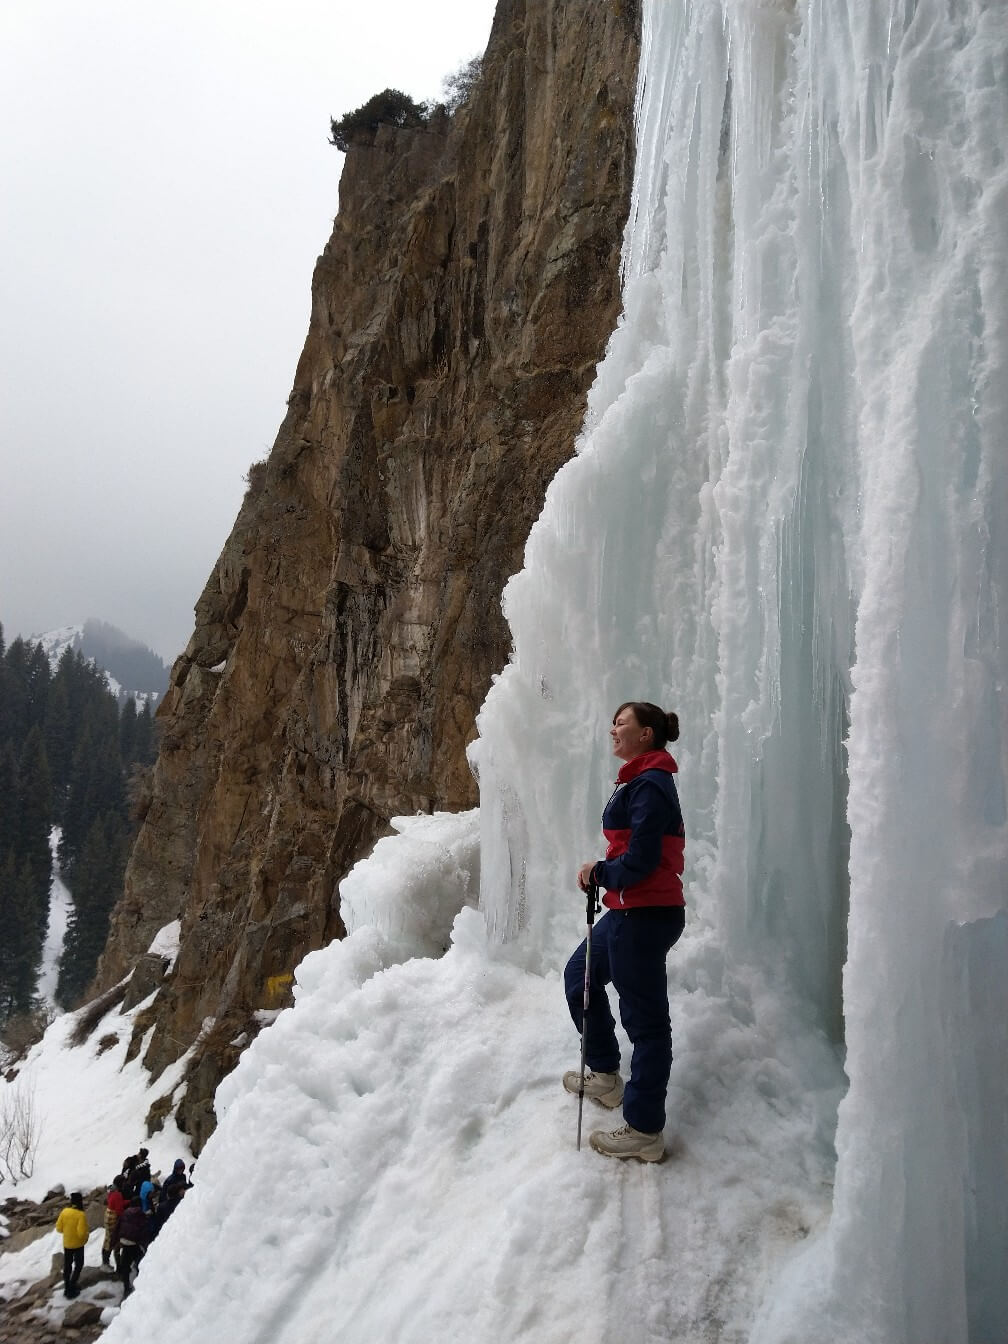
(629,739)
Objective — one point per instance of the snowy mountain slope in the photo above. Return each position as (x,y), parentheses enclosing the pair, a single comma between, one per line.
(111,650)
(91,1105)
(56,642)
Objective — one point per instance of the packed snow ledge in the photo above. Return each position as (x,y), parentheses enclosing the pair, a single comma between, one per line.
(396,1159)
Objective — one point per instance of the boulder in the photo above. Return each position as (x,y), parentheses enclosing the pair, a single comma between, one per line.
(17,1241)
(148,973)
(82,1313)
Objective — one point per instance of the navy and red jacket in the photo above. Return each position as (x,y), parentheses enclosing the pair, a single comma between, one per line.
(643,824)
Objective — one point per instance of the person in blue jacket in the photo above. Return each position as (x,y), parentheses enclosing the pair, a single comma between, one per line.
(147,1192)
(645,915)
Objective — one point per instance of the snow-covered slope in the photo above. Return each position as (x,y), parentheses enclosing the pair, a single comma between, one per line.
(396,1158)
(60,906)
(56,642)
(91,1105)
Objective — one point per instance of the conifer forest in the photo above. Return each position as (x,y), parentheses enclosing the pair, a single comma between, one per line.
(71,759)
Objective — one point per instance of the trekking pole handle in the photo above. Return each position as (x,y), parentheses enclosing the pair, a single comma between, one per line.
(594,904)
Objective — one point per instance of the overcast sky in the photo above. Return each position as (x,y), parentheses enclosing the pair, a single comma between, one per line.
(166,187)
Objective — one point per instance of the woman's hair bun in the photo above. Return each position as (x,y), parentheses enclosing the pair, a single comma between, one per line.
(664,726)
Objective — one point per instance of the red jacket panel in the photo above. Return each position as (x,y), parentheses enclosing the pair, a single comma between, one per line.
(643,824)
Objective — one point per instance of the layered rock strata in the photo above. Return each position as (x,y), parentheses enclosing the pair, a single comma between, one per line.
(348,633)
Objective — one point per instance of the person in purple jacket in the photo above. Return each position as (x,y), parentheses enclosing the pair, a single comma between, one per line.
(132,1233)
(641,875)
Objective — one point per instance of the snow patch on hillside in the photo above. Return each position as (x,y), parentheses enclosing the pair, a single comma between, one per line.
(91,1103)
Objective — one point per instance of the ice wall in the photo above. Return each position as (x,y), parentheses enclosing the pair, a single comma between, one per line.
(785,521)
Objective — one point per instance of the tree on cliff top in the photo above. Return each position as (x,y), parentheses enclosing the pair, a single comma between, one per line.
(458,87)
(391,107)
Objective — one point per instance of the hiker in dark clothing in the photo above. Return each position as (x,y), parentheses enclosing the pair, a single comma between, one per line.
(171,1196)
(176,1181)
(136,1170)
(132,1234)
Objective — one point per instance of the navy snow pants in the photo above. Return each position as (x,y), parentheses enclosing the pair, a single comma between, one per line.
(629,948)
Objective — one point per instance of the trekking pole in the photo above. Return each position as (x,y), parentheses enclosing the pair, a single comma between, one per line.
(594,906)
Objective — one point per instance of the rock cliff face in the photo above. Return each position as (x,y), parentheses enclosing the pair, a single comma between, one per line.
(349,630)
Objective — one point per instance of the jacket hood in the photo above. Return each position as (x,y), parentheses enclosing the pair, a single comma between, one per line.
(647,760)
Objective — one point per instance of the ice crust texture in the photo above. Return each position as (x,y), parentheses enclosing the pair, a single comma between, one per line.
(786,521)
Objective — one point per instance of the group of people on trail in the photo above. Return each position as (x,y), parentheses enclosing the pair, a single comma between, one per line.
(136,1209)
(641,876)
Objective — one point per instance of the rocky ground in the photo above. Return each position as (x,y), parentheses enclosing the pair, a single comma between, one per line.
(37,1312)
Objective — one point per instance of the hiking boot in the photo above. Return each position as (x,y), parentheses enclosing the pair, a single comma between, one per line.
(605,1088)
(629,1142)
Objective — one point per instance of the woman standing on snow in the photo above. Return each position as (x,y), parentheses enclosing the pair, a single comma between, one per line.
(642,877)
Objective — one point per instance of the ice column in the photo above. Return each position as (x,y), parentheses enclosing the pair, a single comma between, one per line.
(786,520)
(914,97)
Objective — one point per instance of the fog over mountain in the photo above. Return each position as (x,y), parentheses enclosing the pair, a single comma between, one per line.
(132,667)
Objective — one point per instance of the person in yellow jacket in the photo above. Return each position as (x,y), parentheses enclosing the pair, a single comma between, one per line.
(73,1224)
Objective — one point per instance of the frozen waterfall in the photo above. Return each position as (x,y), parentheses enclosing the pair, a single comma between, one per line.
(786,521)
